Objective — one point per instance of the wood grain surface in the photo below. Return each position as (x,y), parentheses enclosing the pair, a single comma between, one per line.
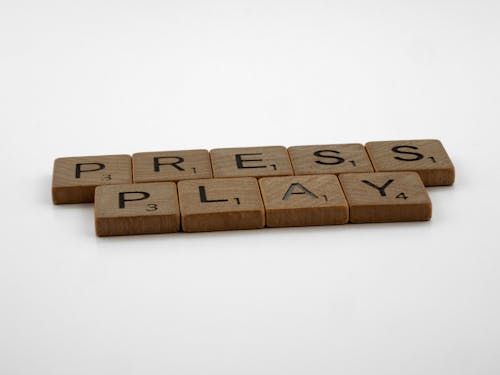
(74,178)
(386,197)
(427,157)
(331,159)
(303,200)
(136,209)
(171,165)
(251,162)
(220,204)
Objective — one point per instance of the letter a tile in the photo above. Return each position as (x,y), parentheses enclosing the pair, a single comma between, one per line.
(386,197)
(75,178)
(303,200)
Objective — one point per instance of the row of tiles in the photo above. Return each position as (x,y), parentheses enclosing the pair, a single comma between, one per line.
(75,178)
(250,203)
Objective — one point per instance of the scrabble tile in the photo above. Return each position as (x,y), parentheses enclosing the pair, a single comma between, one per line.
(220,204)
(74,178)
(331,159)
(293,201)
(251,162)
(136,209)
(386,197)
(171,165)
(426,157)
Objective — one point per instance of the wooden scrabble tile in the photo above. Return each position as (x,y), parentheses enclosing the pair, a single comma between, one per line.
(220,204)
(75,178)
(332,159)
(171,165)
(303,200)
(136,209)
(386,197)
(427,157)
(251,162)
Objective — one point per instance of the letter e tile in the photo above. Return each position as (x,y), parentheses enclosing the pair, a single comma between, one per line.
(251,162)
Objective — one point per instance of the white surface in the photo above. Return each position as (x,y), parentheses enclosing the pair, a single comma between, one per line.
(104,77)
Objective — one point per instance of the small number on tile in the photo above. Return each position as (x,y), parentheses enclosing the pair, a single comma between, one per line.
(152,207)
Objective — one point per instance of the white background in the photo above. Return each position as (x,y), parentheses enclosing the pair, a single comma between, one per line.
(104,77)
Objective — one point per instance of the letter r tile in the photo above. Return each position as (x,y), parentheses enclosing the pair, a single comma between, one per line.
(251,162)
(171,165)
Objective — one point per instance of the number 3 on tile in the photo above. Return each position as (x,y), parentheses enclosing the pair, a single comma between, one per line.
(152,207)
